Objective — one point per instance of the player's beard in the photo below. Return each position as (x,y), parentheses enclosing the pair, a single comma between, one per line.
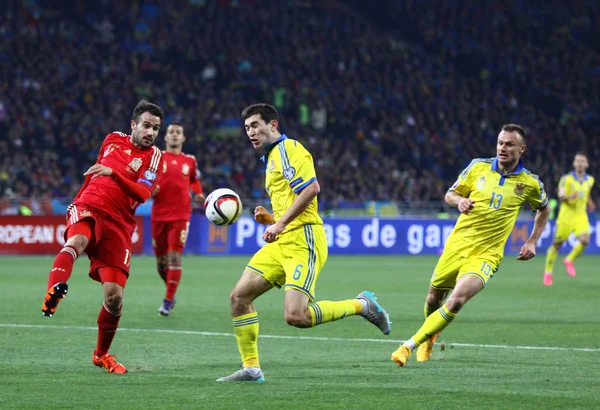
(140,141)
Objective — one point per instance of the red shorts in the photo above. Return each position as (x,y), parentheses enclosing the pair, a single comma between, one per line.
(169,236)
(109,246)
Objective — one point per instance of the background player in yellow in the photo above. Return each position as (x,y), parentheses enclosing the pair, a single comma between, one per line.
(296,248)
(489,193)
(575,202)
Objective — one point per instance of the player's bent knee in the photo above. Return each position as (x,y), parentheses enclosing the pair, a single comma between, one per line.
(584,240)
(455,303)
(433,300)
(161,262)
(80,242)
(238,299)
(113,301)
(174,258)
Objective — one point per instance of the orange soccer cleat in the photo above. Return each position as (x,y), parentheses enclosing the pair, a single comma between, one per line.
(401,355)
(54,295)
(108,362)
(426,349)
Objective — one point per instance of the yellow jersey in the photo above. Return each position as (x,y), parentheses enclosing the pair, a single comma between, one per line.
(289,168)
(498,199)
(570,184)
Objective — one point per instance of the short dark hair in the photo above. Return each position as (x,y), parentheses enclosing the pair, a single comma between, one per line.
(267,112)
(146,106)
(583,154)
(176,123)
(518,129)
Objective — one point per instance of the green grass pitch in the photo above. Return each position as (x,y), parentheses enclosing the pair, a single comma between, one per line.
(518,344)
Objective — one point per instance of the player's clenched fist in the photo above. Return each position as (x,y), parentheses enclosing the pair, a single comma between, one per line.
(465,205)
(263,217)
(99,170)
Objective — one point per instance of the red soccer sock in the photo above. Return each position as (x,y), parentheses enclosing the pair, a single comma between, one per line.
(62,266)
(108,322)
(163,274)
(173,278)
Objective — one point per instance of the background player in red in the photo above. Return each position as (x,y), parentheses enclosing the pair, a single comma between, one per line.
(171,211)
(100,222)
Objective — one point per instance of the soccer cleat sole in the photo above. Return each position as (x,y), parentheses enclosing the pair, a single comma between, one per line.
(55,294)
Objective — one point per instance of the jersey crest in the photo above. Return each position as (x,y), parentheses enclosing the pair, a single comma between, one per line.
(135,164)
(519,189)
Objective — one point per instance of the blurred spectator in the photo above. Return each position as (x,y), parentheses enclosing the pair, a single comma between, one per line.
(391,108)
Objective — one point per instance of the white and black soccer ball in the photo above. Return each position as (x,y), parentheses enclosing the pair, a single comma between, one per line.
(223,207)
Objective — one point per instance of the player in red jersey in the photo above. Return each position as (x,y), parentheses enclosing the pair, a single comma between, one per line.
(100,222)
(171,211)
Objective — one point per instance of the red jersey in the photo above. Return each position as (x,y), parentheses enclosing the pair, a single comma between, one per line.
(130,162)
(173,202)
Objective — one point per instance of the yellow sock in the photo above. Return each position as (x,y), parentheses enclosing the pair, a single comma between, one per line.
(575,252)
(246,334)
(434,324)
(328,311)
(550,258)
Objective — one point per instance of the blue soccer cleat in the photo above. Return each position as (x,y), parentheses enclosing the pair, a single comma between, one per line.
(374,313)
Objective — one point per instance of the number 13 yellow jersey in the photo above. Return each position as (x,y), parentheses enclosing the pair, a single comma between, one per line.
(498,199)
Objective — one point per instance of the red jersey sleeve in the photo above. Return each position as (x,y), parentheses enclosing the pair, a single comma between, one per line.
(195,184)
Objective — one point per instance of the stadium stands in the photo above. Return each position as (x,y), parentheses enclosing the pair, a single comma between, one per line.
(391,109)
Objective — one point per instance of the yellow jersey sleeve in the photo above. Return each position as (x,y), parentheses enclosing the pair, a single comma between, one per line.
(564,188)
(464,183)
(297,166)
(291,171)
(536,196)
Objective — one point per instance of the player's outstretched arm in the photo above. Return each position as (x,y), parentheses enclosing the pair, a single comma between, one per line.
(456,200)
(301,202)
(564,198)
(539,224)
(136,191)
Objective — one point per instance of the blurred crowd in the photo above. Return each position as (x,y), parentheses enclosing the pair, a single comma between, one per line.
(391,104)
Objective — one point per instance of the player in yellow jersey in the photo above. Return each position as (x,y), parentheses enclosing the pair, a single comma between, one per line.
(574,195)
(296,247)
(489,193)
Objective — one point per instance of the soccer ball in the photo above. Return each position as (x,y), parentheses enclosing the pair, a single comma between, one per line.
(223,207)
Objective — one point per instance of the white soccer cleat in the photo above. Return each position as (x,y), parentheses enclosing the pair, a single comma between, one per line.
(253,374)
